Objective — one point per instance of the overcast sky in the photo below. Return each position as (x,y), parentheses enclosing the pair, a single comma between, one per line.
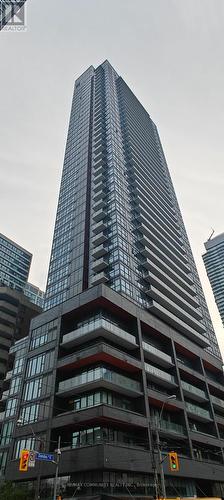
(170,52)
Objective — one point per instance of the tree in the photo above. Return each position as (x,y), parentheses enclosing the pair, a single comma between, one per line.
(11,491)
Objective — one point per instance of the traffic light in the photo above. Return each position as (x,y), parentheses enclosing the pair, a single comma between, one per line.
(24,458)
(173,461)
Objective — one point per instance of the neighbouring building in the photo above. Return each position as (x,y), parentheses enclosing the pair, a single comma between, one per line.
(16,312)
(125,346)
(214,265)
(34,294)
(15,264)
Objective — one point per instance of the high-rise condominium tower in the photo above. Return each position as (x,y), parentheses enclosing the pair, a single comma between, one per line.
(214,264)
(125,350)
(118,220)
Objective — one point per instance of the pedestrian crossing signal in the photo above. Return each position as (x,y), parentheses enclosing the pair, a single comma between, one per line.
(24,458)
(173,461)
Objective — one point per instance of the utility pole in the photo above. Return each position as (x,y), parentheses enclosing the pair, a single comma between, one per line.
(57,468)
(162,479)
(158,448)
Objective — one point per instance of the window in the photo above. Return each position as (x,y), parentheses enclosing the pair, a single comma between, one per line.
(37,388)
(10,407)
(15,386)
(7,431)
(35,412)
(40,363)
(43,334)
(18,366)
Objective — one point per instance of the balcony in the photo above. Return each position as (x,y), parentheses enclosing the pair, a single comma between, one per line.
(156,355)
(102,377)
(99,178)
(99,239)
(152,252)
(171,278)
(161,234)
(178,323)
(99,251)
(99,278)
(101,351)
(171,305)
(193,392)
(2,368)
(217,403)
(167,426)
(8,375)
(99,167)
(99,227)
(2,416)
(175,296)
(99,265)
(100,194)
(4,355)
(98,187)
(159,376)
(5,395)
(99,328)
(164,246)
(196,411)
(99,204)
(99,215)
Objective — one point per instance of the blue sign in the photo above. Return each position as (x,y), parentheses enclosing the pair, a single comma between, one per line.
(45,456)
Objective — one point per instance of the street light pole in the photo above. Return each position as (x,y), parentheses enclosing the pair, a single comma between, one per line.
(160,457)
(57,469)
(161,471)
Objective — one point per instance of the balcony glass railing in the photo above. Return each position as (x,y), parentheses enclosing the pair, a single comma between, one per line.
(166,425)
(97,373)
(197,410)
(217,401)
(151,349)
(8,375)
(97,324)
(159,373)
(195,390)
(5,394)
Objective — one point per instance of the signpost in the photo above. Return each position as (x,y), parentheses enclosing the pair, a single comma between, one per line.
(45,456)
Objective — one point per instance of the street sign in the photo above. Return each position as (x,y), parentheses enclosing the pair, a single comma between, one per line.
(32,459)
(45,456)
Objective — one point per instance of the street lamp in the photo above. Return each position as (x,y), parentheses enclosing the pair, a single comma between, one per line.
(58,451)
(162,479)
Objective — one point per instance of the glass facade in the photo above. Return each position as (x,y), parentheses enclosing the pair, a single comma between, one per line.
(96,398)
(97,435)
(214,264)
(15,264)
(118,221)
(34,294)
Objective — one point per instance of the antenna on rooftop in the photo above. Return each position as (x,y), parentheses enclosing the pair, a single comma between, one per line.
(211,234)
